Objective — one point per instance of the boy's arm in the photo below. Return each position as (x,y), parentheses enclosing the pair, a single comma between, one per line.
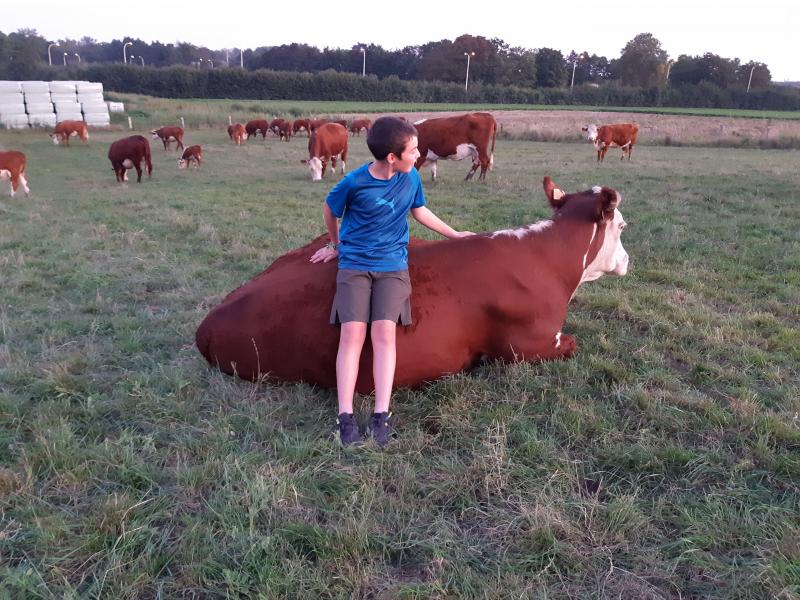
(328,253)
(424,216)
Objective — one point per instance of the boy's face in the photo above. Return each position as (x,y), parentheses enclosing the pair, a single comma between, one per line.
(405,162)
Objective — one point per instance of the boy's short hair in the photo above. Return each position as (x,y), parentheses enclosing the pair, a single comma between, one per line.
(389,135)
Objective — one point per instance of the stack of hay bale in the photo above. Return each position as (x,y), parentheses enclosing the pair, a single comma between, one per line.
(38,103)
(12,105)
(42,103)
(65,99)
(95,110)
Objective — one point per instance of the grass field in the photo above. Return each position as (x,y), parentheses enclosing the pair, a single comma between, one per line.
(663,461)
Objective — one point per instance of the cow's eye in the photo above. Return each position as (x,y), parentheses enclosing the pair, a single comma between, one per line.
(622,225)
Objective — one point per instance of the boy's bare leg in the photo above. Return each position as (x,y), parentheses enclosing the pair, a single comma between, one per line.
(351,341)
(384,352)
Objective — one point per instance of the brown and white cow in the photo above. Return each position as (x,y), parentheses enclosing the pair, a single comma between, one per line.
(358,124)
(169,135)
(237,133)
(130,153)
(284,130)
(510,302)
(66,129)
(314,124)
(326,143)
(12,167)
(299,125)
(623,135)
(275,124)
(456,138)
(254,126)
(192,154)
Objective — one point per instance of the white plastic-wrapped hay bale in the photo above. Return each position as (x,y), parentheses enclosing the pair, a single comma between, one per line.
(36,87)
(42,119)
(12,108)
(68,111)
(98,119)
(64,97)
(90,98)
(39,108)
(13,120)
(116,106)
(7,87)
(89,87)
(38,98)
(62,87)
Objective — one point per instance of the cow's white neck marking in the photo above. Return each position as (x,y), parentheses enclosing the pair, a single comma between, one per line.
(594,233)
(521,232)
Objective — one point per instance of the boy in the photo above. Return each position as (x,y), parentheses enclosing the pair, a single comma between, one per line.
(372,285)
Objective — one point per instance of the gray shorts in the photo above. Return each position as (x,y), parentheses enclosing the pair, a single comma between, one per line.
(367,296)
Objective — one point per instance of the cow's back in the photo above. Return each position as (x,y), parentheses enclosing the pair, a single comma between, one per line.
(329,139)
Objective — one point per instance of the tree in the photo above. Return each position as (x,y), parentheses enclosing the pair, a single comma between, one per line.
(641,62)
(761,75)
(551,69)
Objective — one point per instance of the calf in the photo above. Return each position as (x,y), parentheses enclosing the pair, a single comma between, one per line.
(168,135)
(237,133)
(455,138)
(191,154)
(623,135)
(66,129)
(130,153)
(326,143)
(12,167)
(253,127)
(502,295)
(358,124)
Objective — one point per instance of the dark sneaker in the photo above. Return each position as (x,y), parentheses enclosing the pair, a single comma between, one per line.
(348,429)
(380,429)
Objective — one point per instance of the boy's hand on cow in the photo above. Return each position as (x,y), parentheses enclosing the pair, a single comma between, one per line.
(462,234)
(324,254)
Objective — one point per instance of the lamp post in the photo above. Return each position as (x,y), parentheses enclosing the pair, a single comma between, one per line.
(226,58)
(363,61)
(466,81)
(211,62)
(241,58)
(141,58)
(572,82)
(65,59)
(750,79)
(79,57)
(50,58)
(669,66)
(125,52)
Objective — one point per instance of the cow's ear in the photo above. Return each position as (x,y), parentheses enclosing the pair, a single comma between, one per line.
(555,195)
(609,200)
(304,161)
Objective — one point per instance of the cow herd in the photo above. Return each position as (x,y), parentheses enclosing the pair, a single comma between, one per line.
(469,135)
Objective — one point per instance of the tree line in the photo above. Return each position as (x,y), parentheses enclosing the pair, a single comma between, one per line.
(642,61)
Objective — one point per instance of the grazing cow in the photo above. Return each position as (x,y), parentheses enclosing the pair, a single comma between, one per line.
(253,127)
(313,124)
(12,167)
(358,124)
(192,154)
(455,138)
(326,143)
(237,133)
(168,135)
(285,130)
(300,124)
(66,129)
(342,122)
(622,135)
(130,153)
(501,295)
(275,125)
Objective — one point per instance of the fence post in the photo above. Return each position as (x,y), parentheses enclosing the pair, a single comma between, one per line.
(230,122)
(130,123)
(182,123)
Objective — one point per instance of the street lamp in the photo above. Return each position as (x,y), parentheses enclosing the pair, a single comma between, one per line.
(572,83)
(79,57)
(65,59)
(363,61)
(141,58)
(466,81)
(125,52)
(50,58)
(212,63)
(669,66)
(750,79)
(241,58)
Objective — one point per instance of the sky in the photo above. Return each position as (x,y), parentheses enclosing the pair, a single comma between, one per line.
(763,31)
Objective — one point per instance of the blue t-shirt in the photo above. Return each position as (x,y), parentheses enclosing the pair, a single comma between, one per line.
(374,213)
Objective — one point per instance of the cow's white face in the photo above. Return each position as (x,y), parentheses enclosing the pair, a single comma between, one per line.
(591,132)
(315,167)
(612,258)
(182,163)
(54,137)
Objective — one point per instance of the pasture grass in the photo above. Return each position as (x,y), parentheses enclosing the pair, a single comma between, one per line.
(149,111)
(663,461)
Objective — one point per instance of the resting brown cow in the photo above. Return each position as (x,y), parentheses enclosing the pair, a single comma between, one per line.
(168,135)
(326,143)
(254,126)
(623,135)
(358,124)
(237,133)
(192,154)
(12,167)
(455,138)
(66,129)
(502,295)
(130,153)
